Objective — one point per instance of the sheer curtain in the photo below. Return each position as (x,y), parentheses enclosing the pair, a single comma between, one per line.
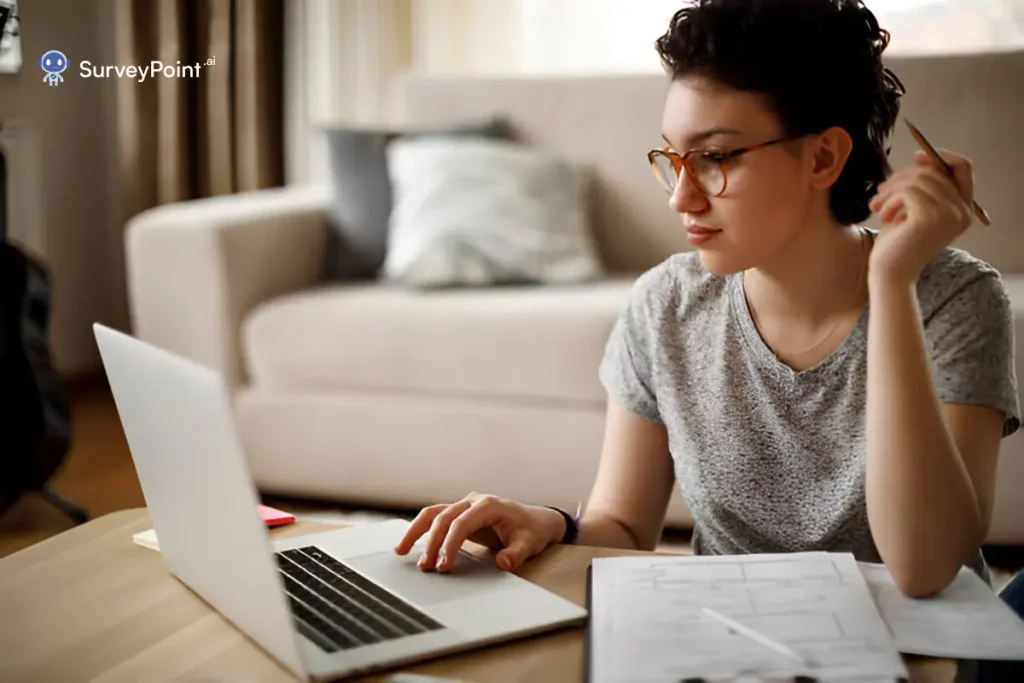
(591,36)
(341,56)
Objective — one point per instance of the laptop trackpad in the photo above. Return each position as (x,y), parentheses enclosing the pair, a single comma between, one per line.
(469,578)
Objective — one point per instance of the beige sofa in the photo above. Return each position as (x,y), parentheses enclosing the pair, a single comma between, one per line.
(371,394)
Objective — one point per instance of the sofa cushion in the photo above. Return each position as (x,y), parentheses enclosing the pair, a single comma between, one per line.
(479,212)
(358,217)
(515,343)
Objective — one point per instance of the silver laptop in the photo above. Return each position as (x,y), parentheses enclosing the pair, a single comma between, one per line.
(325,605)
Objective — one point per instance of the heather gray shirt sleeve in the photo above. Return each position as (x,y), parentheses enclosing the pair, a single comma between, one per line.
(627,367)
(968,323)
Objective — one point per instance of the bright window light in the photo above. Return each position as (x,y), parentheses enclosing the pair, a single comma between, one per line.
(614,36)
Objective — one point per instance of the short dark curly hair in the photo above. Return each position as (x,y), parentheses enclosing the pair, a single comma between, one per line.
(818,63)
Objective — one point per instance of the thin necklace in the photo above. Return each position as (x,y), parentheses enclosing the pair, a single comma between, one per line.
(860,283)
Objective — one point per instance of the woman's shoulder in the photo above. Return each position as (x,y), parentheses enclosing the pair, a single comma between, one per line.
(958,264)
(678,282)
(957,278)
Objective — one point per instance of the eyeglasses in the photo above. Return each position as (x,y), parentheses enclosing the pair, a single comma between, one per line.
(706,169)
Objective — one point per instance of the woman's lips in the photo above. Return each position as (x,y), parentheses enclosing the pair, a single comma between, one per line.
(698,234)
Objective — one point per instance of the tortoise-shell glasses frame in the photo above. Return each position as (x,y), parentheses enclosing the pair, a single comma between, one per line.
(706,168)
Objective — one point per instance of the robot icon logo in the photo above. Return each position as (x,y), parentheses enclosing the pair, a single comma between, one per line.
(54,63)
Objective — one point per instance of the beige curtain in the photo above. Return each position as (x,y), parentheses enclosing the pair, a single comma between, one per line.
(215,133)
(343,55)
(467,37)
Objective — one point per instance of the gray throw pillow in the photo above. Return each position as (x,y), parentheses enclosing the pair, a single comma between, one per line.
(361,205)
(475,212)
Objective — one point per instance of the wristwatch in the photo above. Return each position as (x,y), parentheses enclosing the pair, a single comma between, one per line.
(572,523)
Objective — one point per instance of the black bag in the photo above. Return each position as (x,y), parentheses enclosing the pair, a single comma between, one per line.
(35,415)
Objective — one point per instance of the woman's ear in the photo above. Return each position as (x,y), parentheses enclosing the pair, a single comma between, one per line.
(829,152)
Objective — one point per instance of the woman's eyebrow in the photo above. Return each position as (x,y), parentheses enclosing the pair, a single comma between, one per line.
(705,135)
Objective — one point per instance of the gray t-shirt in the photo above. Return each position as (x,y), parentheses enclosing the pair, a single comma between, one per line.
(769,459)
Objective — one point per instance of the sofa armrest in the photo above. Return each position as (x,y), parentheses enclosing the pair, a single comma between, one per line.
(196,268)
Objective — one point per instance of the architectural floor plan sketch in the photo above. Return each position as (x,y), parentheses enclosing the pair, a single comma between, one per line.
(648,619)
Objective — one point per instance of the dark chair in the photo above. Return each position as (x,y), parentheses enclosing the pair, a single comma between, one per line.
(1000,671)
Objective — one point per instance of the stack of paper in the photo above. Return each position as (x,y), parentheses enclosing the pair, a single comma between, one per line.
(658,618)
(147,539)
(965,621)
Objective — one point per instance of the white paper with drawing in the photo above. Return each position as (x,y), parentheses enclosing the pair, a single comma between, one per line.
(965,621)
(647,622)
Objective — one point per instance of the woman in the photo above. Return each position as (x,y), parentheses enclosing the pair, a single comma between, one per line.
(750,370)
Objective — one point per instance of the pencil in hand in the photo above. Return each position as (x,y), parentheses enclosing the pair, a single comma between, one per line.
(937,158)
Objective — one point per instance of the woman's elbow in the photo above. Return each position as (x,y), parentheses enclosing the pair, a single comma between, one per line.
(930,570)
(922,582)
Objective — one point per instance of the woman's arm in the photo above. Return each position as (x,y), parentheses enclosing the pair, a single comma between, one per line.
(634,482)
(930,467)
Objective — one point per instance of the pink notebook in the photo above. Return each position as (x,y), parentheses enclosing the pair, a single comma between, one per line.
(271,517)
(274,517)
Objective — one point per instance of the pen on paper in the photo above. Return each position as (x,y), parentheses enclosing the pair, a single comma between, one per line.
(737,627)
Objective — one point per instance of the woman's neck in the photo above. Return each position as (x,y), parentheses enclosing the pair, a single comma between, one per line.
(812,278)
(806,300)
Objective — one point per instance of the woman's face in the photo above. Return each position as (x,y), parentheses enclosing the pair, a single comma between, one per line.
(770,193)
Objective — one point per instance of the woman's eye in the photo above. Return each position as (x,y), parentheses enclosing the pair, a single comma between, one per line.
(717,157)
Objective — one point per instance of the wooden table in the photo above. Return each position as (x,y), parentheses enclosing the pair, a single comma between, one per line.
(90,605)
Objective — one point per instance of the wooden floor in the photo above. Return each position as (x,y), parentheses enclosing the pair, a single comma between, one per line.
(100,477)
(98,474)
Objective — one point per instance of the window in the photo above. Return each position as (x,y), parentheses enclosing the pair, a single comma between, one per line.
(612,36)
(951,26)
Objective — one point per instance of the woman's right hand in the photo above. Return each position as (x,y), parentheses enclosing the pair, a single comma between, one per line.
(516,530)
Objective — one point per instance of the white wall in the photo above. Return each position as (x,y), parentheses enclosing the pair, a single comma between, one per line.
(77,134)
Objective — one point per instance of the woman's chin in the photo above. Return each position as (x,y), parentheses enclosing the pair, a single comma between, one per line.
(720,263)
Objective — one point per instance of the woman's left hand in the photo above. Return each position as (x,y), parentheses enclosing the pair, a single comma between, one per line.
(922,210)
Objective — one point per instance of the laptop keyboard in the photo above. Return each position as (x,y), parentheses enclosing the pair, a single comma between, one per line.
(338,608)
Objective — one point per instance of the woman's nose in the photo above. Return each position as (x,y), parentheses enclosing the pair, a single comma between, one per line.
(686,198)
